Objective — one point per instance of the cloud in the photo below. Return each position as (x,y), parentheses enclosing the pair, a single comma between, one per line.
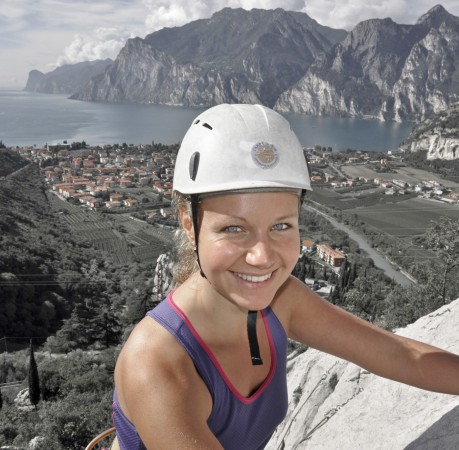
(101,44)
(348,13)
(164,13)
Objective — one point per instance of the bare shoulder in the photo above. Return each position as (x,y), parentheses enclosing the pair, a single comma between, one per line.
(150,347)
(314,321)
(294,298)
(151,358)
(157,384)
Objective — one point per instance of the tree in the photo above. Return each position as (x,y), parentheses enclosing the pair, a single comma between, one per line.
(404,305)
(443,238)
(33,379)
(1,399)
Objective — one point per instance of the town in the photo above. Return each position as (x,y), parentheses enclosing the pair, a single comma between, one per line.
(136,182)
(99,177)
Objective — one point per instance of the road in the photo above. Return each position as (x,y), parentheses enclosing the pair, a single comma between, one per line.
(366,249)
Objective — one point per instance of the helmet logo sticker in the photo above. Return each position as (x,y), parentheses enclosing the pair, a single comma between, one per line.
(265,155)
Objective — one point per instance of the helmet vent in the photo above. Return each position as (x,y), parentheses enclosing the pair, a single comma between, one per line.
(194,165)
(207,126)
(196,122)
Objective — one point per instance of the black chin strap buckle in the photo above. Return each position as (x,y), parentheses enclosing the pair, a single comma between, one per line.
(253,340)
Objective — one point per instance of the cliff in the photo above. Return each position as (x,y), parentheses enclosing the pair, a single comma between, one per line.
(438,135)
(235,56)
(66,79)
(384,70)
(336,405)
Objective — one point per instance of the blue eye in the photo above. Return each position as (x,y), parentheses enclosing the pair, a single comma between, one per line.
(232,229)
(281,227)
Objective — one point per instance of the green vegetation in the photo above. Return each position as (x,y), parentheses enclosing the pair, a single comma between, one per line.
(76,392)
(9,161)
(448,169)
(75,301)
(413,234)
(32,378)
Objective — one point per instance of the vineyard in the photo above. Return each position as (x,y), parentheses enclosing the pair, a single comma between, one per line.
(123,237)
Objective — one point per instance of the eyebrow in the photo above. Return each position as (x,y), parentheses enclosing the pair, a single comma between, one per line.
(279,219)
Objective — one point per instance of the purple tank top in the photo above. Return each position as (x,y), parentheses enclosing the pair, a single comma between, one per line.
(238,422)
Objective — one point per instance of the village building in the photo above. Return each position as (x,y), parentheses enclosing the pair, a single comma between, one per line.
(330,255)
(308,246)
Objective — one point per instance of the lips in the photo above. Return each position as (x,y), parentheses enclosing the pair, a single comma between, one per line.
(253,278)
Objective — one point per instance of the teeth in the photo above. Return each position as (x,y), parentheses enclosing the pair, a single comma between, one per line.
(254,279)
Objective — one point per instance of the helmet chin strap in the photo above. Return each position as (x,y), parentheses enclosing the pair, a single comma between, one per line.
(253,340)
(251,315)
(195,219)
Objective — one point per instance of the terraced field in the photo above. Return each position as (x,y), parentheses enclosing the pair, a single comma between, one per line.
(406,218)
(125,238)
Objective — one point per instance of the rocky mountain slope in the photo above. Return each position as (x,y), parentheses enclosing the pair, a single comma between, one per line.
(235,56)
(337,405)
(66,79)
(285,60)
(384,70)
(438,135)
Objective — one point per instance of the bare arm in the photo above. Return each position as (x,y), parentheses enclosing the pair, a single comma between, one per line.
(315,322)
(161,393)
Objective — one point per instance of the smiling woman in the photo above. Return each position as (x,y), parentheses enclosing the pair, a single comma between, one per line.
(206,369)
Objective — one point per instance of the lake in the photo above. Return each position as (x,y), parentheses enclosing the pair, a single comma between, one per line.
(28,118)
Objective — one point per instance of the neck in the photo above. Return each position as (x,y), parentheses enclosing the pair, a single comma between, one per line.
(202,303)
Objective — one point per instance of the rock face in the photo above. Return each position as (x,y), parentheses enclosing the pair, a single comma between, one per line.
(438,136)
(235,56)
(337,405)
(66,79)
(22,401)
(384,70)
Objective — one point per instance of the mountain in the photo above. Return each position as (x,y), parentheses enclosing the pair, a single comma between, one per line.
(336,405)
(384,70)
(235,56)
(438,135)
(66,79)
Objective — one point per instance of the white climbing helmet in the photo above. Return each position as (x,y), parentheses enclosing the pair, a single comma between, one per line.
(238,146)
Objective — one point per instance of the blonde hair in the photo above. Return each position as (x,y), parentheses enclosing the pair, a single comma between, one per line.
(185,263)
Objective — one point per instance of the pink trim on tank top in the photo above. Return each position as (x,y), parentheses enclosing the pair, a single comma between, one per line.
(263,386)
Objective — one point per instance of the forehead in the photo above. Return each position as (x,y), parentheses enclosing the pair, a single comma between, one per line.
(249,203)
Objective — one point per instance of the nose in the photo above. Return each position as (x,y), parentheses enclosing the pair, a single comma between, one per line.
(261,254)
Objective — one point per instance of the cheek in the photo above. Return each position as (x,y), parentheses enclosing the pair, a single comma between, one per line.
(219,254)
(292,252)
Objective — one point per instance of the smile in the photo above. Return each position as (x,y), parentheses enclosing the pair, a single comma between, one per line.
(253,278)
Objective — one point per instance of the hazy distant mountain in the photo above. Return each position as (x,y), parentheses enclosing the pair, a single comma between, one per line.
(438,135)
(66,79)
(235,56)
(384,70)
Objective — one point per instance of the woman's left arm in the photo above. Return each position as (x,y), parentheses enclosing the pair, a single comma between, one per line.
(319,324)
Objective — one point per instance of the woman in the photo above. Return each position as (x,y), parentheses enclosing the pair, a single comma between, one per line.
(206,369)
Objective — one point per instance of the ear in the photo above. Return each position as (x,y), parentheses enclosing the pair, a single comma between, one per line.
(187,223)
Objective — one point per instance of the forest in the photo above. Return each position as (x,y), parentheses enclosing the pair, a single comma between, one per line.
(66,308)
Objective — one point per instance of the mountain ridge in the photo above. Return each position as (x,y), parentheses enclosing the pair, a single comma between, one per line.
(235,56)
(66,79)
(288,61)
(384,70)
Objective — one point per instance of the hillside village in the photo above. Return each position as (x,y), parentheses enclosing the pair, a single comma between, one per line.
(99,177)
(108,178)
(386,181)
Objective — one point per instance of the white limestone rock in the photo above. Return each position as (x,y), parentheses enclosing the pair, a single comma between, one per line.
(336,405)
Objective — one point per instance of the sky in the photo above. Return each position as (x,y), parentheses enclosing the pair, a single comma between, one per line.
(45,34)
